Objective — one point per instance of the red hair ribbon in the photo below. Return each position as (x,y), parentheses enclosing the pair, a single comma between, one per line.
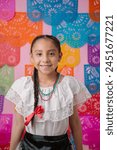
(38,111)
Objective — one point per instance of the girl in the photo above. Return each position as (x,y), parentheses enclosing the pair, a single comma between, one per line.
(46,103)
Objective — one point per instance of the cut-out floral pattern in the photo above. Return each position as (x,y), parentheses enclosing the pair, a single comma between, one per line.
(91,106)
(66,70)
(9,55)
(20,30)
(91,130)
(92,78)
(5,129)
(6,79)
(71,56)
(94,10)
(94,55)
(52,11)
(29,70)
(78,32)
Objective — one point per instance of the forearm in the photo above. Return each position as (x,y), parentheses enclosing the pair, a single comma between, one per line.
(77,135)
(17,130)
(16,136)
(75,126)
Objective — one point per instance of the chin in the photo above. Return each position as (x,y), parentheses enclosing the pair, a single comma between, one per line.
(45,72)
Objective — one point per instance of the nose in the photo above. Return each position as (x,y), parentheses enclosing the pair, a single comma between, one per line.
(45,59)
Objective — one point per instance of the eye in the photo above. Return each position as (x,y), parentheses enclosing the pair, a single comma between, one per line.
(51,53)
(38,54)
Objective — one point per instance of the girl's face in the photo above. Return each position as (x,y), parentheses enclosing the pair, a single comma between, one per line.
(45,56)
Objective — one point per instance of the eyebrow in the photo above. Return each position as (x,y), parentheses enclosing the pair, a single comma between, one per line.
(42,50)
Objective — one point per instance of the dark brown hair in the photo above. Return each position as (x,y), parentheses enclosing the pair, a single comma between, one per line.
(35,73)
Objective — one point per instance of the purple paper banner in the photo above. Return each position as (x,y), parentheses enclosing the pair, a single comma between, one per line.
(1,103)
(94,55)
(7,9)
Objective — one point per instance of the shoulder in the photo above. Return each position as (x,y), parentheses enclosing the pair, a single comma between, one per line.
(73,83)
(21,83)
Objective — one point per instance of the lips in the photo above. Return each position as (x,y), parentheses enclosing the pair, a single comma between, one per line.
(45,65)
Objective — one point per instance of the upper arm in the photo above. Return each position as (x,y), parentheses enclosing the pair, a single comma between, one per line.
(74,120)
(18,120)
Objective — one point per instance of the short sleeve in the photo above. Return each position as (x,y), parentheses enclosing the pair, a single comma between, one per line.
(81,93)
(13,95)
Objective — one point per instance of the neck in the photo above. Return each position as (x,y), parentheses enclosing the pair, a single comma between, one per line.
(47,80)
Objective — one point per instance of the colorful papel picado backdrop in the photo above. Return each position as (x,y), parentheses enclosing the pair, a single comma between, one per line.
(76,24)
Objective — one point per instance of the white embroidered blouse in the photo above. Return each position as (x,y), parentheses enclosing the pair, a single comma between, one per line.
(55,119)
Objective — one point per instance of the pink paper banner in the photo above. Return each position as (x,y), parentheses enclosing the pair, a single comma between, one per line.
(5,128)
(9,55)
(90,130)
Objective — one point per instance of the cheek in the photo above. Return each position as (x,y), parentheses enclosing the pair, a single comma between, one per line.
(56,61)
(36,58)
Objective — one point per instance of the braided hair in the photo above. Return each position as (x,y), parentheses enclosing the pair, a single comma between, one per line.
(35,72)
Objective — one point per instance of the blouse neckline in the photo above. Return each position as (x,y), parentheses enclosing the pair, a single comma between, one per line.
(49,87)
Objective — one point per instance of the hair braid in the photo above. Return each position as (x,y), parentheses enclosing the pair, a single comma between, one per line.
(36,84)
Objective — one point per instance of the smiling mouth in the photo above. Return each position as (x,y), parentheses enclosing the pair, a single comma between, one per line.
(45,65)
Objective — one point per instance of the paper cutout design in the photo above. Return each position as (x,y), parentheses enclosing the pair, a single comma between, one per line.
(94,147)
(91,106)
(7,9)
(76,33)
(66,71)
(1,103)
(93,39)
(5,129)
(94,55)
(52,11)
(71,56)
(6,79)
(91,130)
(94,10)
(92,78)
(29,70)
(20,30)
(9,55)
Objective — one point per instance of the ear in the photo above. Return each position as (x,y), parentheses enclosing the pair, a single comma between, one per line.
(60,56)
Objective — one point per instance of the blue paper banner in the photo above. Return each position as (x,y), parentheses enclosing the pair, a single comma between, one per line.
(78,32)
(53,12)
(92,78)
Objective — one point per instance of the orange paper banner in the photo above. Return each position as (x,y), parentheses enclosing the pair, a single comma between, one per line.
(29,69)
(94,10)
(20,30)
